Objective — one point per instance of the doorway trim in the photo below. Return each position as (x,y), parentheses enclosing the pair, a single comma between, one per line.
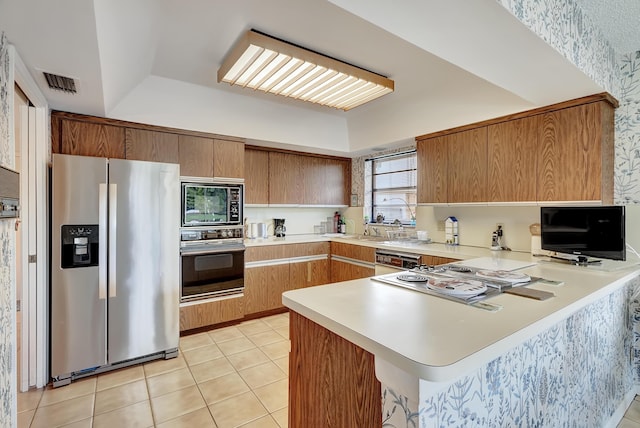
(35,312)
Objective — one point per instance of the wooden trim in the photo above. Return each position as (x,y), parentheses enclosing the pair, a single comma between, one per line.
(604,96)
(246,317)
(56,134)
(294,152)
(123,123)
(332,382)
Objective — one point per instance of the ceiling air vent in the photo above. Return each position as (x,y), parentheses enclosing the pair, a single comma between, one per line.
(60,83)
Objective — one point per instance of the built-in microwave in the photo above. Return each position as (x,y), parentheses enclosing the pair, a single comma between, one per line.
(208,204)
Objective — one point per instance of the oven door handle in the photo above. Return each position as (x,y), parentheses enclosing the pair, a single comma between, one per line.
(201,252)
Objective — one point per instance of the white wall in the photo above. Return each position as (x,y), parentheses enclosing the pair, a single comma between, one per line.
(167,102)
(297,220)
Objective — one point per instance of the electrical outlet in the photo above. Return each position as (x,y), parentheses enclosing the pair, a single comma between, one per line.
(441,226)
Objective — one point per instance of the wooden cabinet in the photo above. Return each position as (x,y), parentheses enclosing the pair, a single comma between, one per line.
(338,182)
(467,166)
(271,270)
(196,156)
(559,153)
(332,382)
(256,177)
(91,139)
(285,179)
(436,260)
(576,154)
(263,287)
(308,273)
(315,180)
(152,146)
(196,315)
(350,261)
(452,168)
(343,270)
(353,251)
(512,160)
(288,178)
(228,159)
(199,154)
(432,170)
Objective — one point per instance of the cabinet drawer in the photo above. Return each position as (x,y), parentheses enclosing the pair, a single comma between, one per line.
(351,251)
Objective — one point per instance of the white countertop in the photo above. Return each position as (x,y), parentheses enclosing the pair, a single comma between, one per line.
(432,249)
(439,340)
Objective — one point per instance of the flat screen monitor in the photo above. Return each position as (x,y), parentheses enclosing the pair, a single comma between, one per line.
(584,231)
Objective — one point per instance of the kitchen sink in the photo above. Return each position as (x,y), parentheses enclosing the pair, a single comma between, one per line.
(364,238)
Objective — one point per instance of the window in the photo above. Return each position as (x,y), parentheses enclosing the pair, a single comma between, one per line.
(391,187)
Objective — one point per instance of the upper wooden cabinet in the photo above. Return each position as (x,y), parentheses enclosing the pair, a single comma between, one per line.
(228,159)
(208,157)
(196,156)
(90,139)
(199,154)
(286,182)
(467,166)
(338,182)
(290,178)
(432,170)
(512,159)
(151,145)
(562,152)
(256,176)
(575,160)
(452,168)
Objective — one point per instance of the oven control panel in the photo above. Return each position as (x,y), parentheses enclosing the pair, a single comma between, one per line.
(211,233)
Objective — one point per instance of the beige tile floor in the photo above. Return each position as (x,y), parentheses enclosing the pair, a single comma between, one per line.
(632,416)
(230,377)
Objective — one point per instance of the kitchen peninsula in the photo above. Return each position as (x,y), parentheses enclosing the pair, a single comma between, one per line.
(434,362)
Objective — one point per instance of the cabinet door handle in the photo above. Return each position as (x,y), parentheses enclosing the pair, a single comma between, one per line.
(308,271)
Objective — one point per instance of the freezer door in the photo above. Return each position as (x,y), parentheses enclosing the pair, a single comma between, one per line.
(78,294)
(144,202)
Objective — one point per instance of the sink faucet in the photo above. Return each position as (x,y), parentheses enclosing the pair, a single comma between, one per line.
(375,230)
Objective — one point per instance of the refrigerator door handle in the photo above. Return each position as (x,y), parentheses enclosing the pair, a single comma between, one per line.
(102,245)
(113,224)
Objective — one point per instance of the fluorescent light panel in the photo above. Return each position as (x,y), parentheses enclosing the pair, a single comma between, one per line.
(263,63)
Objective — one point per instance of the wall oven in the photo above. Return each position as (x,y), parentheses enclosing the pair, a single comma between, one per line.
(212,204)
(212,262)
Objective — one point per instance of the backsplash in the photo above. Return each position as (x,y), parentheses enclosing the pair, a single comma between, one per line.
(298,221)
(7,249)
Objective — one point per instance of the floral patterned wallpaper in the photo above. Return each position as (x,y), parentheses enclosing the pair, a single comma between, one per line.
(627,161)
(7,249)
(577,373)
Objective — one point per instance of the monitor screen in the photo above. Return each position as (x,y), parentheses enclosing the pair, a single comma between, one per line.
(584,231)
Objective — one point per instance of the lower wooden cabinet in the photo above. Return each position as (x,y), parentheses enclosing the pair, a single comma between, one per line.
(351,261)
(307,273)
(436,260)
(343,270)
(264,285)
(271,270)
(196,314)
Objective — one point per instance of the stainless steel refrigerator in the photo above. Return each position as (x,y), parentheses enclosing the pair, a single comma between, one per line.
(114,264)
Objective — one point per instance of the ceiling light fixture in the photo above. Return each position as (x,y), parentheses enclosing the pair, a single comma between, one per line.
(261,62)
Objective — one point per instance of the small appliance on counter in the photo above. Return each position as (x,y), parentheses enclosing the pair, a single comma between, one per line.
(278,227)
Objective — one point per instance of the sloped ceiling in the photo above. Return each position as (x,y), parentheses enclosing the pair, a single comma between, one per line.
(155,61)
